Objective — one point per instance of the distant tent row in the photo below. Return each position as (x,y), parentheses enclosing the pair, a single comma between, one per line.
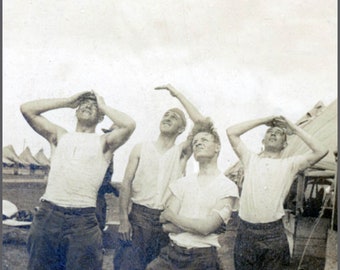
(25,163)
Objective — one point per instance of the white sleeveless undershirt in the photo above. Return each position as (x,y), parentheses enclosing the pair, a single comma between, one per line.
(154,174)
(77,170)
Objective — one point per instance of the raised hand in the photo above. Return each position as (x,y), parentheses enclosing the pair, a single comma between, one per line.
(284,123)
(100,100)
(270,121)
(74,101)
(168,87)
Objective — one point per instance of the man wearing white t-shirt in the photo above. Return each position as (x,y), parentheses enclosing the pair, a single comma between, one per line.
(261,242)
(199,204)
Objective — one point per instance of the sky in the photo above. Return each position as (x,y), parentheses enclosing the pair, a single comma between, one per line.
(234,60)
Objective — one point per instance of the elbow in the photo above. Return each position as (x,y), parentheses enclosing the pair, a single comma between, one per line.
(230,133)
(321,152)
(131,126)
(324,152)
(24,110)
(205,231)
(319,155)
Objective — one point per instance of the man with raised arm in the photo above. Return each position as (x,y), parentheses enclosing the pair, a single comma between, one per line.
(261,242)
(65,232)
(198,206)
(152,166)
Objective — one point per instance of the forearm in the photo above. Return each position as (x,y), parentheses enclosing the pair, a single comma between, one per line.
(239,129)
(171,228)
(192,111)
(124,200)
(310,141)
(202,226)
(37,107)
(119,118)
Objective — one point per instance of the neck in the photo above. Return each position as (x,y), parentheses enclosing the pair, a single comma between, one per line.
(271,154)
(85,129)
(208,168)
(165,142)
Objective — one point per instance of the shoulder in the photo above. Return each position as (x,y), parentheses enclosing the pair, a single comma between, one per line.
(227,186)
(136,150)
(185,180)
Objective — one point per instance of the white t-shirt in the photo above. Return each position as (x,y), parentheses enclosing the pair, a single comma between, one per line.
(266,184)
(154,174)
(77,170)
(199,202)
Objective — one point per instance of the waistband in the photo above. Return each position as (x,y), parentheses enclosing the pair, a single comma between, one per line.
(261,226)
(142,208)
(191,251)
(67,210)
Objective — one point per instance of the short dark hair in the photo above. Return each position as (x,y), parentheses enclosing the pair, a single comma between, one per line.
(207,126)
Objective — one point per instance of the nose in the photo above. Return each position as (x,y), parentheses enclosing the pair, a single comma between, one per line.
(167,118)
(197,143)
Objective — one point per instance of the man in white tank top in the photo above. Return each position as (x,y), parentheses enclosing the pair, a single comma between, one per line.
(151,168)
(65,232)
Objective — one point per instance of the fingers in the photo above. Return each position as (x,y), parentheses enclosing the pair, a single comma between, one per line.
(126,236)
(164,87)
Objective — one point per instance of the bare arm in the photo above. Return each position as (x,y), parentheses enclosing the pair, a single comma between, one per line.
(171,228)
(234,132)
(202,226)
(174,205)
(192,111)
(318,150)
(124,229)
(124,126)
(32,113)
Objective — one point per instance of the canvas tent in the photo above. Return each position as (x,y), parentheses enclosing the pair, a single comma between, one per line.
(34,165)
(321,122)
(10,157)
(11,163)
(27,156)
(41,158)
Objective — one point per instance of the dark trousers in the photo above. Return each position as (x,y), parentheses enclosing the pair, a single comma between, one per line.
(64,238)
(261,246)
(101,211)
(147,240)
(173,257)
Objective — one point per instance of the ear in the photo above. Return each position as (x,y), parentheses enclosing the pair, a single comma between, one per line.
(285,144)
(77,110)
(218,148)
(180,130)
(100,118)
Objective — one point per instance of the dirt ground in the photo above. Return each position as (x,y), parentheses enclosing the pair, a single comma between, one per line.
(15,257)
(26,196)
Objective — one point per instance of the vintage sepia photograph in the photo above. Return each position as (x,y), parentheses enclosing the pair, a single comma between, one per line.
(169,135)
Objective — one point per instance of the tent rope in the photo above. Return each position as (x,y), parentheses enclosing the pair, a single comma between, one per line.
(311,233)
